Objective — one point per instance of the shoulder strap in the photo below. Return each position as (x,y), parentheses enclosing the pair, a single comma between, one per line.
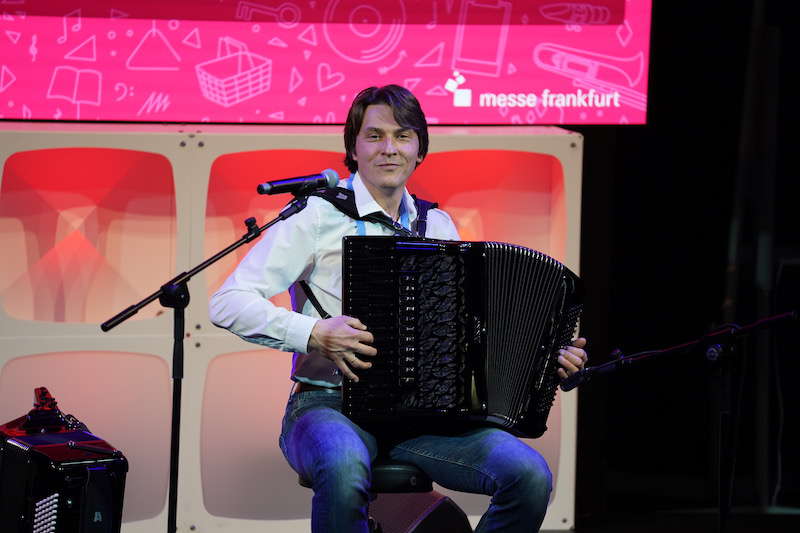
(342,199)
(345,201)
(423,206)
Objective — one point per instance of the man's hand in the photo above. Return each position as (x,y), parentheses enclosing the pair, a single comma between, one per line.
(342,339)
(573,358)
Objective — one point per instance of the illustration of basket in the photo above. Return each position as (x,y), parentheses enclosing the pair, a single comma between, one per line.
(235,75)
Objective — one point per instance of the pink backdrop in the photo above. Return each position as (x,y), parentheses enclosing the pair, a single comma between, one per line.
(302,61)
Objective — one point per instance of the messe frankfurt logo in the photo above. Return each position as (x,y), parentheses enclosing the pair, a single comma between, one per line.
(578,98)
(461,97)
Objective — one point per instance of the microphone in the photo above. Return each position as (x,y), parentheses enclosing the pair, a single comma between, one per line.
(585,374)
(575,379)
(714,352)
(328,178)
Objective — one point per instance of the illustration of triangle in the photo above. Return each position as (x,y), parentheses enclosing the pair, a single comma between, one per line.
(117,14)
(13,36)
(6,78)
(411,83)
(436,90)
(193,38)
(277,42)
(153,53)
(277,115)
(86,51)
(433,58)
(309,35)
(295,79)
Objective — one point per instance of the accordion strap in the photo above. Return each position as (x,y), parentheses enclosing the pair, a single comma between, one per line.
(313,299)
(345,201)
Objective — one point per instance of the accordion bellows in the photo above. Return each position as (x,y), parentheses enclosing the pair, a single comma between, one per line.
(466,332)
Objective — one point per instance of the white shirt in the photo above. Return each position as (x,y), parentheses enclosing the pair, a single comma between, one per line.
(306,246)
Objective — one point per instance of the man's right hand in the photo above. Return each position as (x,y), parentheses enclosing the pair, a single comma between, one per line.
(342,339)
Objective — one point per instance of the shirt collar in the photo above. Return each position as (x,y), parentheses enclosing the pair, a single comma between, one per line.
(366,204)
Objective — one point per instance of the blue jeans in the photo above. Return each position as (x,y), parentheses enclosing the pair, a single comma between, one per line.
(324,446)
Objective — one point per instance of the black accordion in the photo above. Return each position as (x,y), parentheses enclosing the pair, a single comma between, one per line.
(56,476)
(466,332)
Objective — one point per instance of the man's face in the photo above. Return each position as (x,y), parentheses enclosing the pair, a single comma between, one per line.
(386,152)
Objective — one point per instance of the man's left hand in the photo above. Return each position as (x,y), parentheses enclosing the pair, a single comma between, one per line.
(572,358)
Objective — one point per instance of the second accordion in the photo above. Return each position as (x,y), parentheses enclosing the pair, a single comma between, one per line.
(466,332)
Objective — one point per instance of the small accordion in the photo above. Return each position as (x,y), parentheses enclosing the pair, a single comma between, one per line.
(466,332)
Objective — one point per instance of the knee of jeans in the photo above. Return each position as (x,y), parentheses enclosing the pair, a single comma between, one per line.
(529,479)
(344,473)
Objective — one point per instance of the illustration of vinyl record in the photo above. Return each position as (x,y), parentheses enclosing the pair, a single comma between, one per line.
(364,31)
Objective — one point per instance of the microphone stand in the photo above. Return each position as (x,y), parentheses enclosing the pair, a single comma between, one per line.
(175,294)
(719,338)
(718,343)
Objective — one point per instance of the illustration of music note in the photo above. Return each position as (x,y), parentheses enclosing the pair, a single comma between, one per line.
(32,48)
(75,16)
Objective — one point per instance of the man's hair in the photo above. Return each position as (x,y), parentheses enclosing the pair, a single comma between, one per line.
(405,107)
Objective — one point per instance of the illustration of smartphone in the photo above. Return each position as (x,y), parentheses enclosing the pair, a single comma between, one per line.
(481,36)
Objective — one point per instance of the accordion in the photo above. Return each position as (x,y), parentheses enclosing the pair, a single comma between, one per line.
(466,332)
(56,476)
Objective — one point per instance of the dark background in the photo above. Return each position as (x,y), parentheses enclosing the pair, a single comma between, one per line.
(659,205)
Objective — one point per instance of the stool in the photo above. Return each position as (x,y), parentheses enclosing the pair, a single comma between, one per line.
(391,477)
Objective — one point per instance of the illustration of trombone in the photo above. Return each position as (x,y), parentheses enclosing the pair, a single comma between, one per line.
(591,70)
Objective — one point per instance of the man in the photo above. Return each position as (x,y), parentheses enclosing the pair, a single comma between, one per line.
(385,138)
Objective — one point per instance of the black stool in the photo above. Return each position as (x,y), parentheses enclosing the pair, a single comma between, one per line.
(390,477)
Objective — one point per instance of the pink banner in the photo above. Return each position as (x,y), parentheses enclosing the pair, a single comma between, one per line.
(302,61)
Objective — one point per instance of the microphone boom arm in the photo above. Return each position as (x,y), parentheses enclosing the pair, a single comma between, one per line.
(720,335)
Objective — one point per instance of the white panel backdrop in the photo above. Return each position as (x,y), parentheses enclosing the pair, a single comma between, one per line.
(232,474)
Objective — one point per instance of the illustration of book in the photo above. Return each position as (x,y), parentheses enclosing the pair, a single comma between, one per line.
(77,86)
